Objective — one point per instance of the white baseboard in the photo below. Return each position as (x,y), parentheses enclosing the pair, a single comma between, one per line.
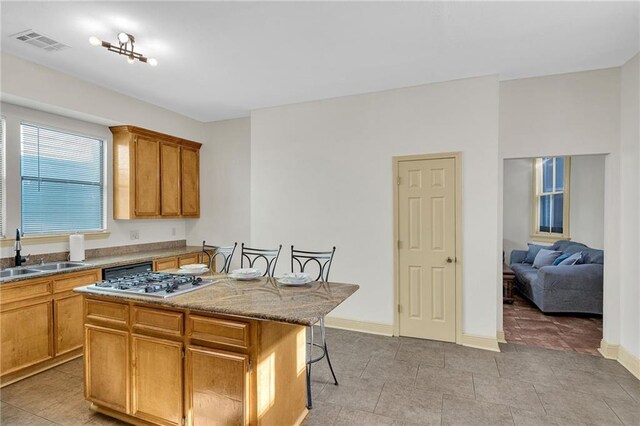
(363,326)
(480,342)
(608,350)
(623,356)
(500,336)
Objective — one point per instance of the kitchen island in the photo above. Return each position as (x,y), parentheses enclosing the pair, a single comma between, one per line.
(231,353)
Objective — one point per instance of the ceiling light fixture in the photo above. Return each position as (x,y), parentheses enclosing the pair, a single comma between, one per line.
(124,47)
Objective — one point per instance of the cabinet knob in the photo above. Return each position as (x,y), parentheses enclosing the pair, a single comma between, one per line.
(449,260)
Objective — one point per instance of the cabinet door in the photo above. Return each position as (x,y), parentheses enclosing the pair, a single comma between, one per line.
(147,176)
(189,259)
(26,334)
(68,322)
(165,264)
(190,173)
(170,175)
(157,380)
(216,388)
(107,370)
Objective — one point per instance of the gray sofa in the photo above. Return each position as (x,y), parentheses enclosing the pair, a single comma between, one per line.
(562,288)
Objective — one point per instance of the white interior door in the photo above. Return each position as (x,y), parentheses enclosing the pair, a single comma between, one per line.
(426,248)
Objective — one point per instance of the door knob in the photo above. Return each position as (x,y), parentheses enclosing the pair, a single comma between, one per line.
(449,260)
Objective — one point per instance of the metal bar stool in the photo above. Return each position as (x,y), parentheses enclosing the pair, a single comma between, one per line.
(257,255)
(212,252)
(322,260)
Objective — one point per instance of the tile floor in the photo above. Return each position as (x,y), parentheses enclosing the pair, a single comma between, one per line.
(402,381)
(524,323)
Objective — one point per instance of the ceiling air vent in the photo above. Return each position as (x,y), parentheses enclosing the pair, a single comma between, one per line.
(40,41)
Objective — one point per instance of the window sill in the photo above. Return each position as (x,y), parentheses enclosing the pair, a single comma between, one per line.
(54,238)
(549,238)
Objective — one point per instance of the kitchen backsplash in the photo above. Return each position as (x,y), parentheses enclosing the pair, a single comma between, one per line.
(7,262)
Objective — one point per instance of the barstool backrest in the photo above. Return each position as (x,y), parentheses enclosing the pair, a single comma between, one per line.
(212,252)
(254,257)
(312,259)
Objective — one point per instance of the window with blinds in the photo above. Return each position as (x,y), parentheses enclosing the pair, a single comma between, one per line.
(62,181)
(2,176)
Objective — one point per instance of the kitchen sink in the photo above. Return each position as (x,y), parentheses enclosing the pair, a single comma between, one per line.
(17,272)
(58,266)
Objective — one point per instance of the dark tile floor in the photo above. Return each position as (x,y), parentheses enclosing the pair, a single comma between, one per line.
(401,381)
(523,323)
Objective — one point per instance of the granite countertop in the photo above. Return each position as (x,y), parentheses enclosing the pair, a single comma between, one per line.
(111,261)
(262,299)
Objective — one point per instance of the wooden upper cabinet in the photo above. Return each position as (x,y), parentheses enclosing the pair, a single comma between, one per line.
(154,175)
(170,179)
(190,178)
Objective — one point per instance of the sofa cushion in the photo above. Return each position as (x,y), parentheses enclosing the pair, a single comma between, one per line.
(560,259)
(590,255)
(574,259)
(545,258)
(574,248)
(533,252)
(561,245)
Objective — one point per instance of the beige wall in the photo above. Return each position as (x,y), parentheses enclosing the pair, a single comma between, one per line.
(225,169)
(584,114)
(629,218)
(321,175)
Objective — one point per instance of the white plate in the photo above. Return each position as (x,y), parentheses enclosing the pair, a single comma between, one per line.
(194,266)
(289,281)
(192,271)
(244,277)
(246,272)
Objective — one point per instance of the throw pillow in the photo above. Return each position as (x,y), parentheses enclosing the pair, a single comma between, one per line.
(574,259)
(560,259)
(545,258)
(533,252)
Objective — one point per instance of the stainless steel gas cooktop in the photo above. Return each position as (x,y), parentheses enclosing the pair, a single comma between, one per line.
(155,284)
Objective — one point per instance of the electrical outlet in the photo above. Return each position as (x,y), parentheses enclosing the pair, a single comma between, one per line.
(134,235)
(173,232)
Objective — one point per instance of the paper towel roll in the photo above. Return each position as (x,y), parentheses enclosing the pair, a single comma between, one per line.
(76,247)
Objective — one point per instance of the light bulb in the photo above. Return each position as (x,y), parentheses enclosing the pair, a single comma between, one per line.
(94,41)
(152,61)
(130,60)
(123,37)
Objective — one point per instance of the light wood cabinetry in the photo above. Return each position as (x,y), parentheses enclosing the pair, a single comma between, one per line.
(41,323)
(157,380)
(171,180)
(169,263)
(154,175)
(217,387)
(192,368)
(190,178)
(106,372)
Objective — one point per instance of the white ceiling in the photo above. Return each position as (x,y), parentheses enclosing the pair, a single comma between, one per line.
(220,60)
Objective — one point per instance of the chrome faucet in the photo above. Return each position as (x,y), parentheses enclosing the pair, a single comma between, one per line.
(18,258)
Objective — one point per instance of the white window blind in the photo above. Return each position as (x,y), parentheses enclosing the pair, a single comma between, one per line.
(2,176)
(62,181)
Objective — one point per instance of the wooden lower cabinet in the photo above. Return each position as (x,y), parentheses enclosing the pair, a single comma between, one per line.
(107,368)
(157,380)
(26,336)
(217,386)
(152,370)
(169,263)
(41,323)
(68,323)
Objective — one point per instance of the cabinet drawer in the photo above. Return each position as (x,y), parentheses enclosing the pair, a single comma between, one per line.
(77,279)
(165,264)
(189,259)
(226,332)
(24,290)
(158,321)
(109,313)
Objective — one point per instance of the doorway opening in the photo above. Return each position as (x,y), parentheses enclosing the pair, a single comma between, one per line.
(553,257)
